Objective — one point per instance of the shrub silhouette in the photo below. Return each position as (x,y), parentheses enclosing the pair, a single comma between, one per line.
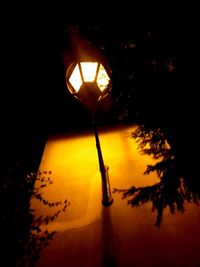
(24,236)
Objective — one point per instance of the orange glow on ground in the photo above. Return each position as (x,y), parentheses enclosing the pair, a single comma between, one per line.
(73,161)
(90,235)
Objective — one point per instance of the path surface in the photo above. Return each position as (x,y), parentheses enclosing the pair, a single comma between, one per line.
(93,236)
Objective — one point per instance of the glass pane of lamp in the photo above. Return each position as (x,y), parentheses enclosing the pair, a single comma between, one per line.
(75,79)
(89,71)
(102,78)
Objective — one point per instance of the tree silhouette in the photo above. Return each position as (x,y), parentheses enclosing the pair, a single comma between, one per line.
(174,189)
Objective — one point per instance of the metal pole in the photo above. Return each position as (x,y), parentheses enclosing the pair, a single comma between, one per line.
(107,199)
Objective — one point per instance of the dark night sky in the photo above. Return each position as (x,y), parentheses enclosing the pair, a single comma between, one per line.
(34,95)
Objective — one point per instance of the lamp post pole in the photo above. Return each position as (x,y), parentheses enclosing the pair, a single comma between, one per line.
(107,199)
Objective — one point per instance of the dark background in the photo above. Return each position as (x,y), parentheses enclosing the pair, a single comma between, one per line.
(140,40)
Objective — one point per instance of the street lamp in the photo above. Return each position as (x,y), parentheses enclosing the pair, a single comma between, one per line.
(90,82)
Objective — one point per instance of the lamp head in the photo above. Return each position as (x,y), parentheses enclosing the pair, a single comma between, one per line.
(89,81)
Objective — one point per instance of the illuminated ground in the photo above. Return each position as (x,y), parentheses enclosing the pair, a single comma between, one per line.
(91,235)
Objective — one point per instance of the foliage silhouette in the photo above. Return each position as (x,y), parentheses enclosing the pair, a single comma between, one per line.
(175,187)
(24,233)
